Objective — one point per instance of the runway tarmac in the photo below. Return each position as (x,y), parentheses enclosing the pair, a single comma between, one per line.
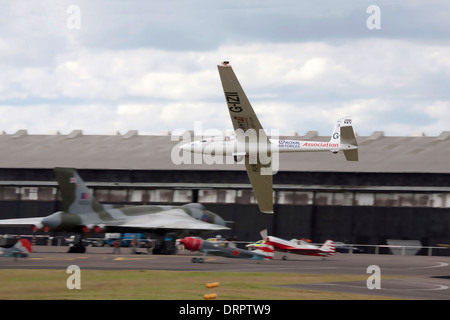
(414,277)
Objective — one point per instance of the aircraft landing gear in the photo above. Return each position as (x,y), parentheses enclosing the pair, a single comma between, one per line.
(165,244)
(78,246)
(199,260)
(77,249)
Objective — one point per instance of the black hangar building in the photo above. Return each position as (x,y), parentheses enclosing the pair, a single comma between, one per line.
(399,189)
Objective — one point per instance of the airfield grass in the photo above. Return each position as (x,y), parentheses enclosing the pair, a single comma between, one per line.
(25,284)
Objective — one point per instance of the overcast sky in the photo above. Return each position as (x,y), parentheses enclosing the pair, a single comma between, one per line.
(104,66)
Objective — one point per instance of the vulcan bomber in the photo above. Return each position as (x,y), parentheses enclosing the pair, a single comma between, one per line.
(82,214)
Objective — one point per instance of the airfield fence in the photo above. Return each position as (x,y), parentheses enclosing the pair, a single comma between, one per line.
(399,249)
(403,250)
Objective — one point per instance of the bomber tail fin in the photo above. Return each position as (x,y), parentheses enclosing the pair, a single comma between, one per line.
(76,196)
(344,136)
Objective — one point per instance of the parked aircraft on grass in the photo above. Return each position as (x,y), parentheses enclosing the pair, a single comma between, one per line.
(228,250)
(83,214)
(253,145)
(21,249)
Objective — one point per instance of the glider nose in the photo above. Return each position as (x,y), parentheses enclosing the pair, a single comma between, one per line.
(215,218)
(186,147)
(195,147)
(191,147)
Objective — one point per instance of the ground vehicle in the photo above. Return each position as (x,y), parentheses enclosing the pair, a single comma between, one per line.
(126,239)
(345,248)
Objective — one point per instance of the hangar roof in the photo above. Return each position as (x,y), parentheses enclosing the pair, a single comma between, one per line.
(377,153)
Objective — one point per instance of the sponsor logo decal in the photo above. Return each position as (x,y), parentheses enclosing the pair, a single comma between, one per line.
(321,144)
(288,144)
(297,144)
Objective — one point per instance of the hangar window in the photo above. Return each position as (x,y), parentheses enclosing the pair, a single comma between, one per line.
(245,196)
(139,195)
(294,197)
(440,200)
(324,198)
(9,193)
(161,195)
(405,199)
(304,198)
(47,194)
(217,196)
(422,200)
(364,199)
(182,196)
(386,200)
(343,198)
(111,195)
(29,193)
(102,195)
(285,197)
(207,196)
(117,195)
(226,196)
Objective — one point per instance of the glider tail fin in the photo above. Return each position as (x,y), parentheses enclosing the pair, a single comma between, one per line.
(344,137)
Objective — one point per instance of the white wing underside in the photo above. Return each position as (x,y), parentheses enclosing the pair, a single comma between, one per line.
(243,117)
(172,219)
(21,222)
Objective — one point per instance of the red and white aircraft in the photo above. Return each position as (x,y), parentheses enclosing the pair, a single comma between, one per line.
(225,249)
(301,247)
(22,249)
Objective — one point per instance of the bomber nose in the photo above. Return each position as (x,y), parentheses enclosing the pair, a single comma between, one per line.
(52,221)
(216,218)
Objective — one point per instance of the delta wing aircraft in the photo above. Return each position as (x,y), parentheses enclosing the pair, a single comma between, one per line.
(264,252)
(82,214)
(21,249)
(251,143)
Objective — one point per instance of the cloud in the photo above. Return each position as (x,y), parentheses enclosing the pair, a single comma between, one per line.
(289,84)
(438,113)
(153,67)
